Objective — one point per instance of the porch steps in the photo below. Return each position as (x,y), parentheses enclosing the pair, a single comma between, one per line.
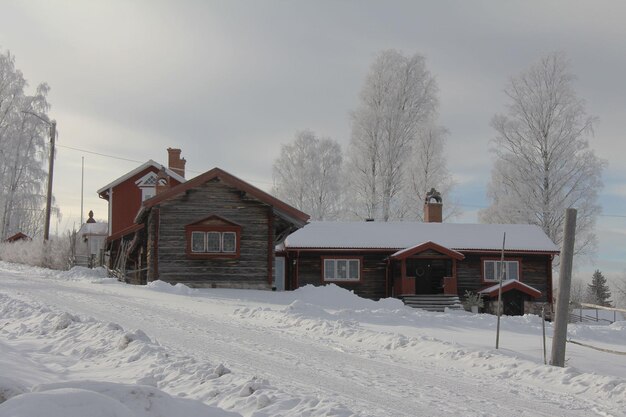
(432,302)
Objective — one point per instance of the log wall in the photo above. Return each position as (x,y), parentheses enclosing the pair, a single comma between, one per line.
(250,270)
(535,271)
(373,272)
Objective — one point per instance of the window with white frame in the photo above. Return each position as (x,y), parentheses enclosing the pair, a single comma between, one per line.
(342,269)
(147,185)
(213,242)
(492,268)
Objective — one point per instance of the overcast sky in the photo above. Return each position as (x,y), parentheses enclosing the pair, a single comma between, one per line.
(228,82)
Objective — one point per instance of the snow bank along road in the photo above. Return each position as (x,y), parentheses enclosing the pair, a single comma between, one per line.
(284,350)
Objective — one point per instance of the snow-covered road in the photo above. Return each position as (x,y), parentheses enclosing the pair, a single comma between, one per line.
(304,348)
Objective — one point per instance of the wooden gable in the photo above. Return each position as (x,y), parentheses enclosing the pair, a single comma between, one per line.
(214,221)
(431,247)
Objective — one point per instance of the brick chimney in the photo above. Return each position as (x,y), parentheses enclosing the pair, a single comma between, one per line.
(433,207)
(175,162)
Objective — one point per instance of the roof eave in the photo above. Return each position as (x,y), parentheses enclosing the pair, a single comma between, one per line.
(137,170)
(288,212)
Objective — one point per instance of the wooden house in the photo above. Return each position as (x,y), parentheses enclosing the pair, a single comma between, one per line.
(424,260)
(214,230)
(126,194)
(17,237)
(90,242)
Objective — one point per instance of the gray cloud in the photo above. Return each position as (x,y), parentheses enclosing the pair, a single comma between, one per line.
(228,82)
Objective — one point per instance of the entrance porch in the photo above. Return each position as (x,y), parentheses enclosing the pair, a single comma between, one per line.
(426,276)
(425,269)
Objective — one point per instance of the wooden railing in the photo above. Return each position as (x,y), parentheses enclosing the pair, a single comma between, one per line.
(586,318)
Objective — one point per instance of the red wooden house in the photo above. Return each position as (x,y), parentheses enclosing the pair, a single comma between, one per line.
(430,264)
(126,194)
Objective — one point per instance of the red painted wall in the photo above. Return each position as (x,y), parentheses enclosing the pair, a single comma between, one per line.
(404,286)
(127,201)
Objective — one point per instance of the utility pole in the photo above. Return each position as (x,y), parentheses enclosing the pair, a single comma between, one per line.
(82,184)
(565,281)
(501,274)
(53,132)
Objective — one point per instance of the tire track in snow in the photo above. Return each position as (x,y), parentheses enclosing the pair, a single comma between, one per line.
(378,385)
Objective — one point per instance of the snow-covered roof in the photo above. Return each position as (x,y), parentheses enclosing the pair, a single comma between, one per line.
(401,235)
(509,285)
(403,253)
(137,170)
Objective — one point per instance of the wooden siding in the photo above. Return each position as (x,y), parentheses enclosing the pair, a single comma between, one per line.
(151,247)
(373,272)
(535,271)
(126,201)
(249,270)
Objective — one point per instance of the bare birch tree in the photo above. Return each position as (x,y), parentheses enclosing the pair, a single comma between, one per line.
(426,169)
(307,175)
(398,98)
(22,151)
(620,291)
(543,161)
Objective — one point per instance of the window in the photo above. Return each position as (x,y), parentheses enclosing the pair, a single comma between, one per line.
(197,242)
(147,192)
(492,270)
(229,242)
(213,242)
(342,269)
(213,237)
(146,185)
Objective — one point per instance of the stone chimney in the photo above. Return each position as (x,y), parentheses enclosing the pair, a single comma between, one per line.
(162,182)
(175,162)
(433,207)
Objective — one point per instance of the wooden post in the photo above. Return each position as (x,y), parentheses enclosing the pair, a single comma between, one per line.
(82,187)
(499,306)
(53,132)
(543,328)
(565,280)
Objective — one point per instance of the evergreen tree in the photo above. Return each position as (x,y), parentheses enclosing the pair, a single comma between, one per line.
(598,290)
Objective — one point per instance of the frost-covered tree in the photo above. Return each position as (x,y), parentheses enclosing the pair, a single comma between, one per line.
(397,102)
(307,175)
(620,290)
(543,161)
(578,292)
(427,168)
(22,151)
(598,291)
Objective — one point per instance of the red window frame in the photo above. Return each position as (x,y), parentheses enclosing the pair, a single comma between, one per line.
(342,258)
(218,229)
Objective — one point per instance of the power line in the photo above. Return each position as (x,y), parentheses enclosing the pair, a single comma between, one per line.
(101,154)
(269,182)
(139,162)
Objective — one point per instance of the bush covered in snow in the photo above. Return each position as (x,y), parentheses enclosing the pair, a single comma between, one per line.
(54,254)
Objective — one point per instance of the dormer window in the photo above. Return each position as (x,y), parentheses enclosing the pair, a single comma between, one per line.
(213,237)
(147,185)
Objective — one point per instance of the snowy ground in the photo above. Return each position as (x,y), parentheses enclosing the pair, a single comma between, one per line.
(74,341)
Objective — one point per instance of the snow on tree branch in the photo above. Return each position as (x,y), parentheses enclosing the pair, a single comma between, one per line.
(543,161)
